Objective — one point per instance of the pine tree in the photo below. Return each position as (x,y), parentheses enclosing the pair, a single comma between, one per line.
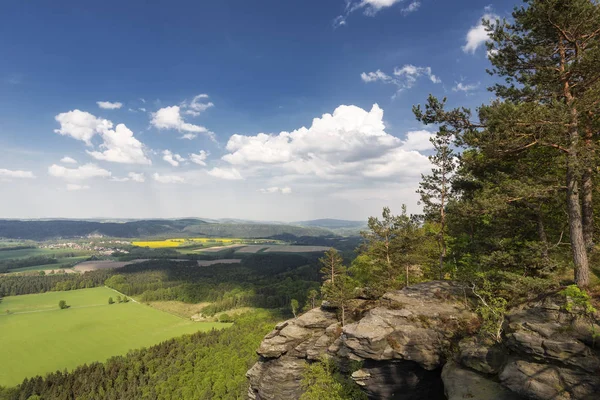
(332,263)
(312,297)
(436,189)
(339,293)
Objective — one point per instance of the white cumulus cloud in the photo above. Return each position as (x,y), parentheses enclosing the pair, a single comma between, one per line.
(375,76)
(107,105)
(86,171)
(68,160)
(81,125)
(411,73)
(477,35)
(120,146)
(196,106)
(231,174)
(171,158)
(167,178)
(418,140)
(170,118)
(199,158)
(349,144)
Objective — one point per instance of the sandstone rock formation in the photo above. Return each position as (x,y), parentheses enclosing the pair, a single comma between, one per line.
(420,343)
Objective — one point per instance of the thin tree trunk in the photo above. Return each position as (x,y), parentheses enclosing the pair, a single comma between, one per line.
(406,274)
(443,226)
(587,189)
(443,245)
(332,269)
(542,233)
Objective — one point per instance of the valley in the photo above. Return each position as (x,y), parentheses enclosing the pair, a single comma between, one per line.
(174,286)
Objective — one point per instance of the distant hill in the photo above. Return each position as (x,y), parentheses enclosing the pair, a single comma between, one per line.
(332,223)
(54,229)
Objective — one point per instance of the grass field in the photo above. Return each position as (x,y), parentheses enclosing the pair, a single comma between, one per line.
(41,338)
(24,253)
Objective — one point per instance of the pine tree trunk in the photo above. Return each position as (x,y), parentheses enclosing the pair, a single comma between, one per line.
(587,189)
(542,234)
(442,241)
(578,248)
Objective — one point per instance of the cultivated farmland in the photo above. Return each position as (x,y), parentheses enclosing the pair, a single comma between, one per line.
(201,241)
(296,249)
(90,330)
(102,264)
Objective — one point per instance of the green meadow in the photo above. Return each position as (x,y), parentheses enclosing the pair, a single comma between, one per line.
(44,338)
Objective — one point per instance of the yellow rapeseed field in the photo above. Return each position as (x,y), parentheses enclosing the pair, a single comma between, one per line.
(155,244)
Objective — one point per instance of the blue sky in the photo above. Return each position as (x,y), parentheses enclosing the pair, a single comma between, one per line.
(187,87)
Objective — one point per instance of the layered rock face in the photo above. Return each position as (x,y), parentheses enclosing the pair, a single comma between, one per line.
(419,343)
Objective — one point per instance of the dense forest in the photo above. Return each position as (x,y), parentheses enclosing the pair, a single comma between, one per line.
(260,280)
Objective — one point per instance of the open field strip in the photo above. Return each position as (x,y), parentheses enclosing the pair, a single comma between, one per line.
(103,264)
(206,263)
(35,252)
(40,341)
(52,310)
(251,249)
(295,249)
(63,263)
(217,249)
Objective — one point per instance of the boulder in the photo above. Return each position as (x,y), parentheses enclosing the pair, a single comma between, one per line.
(276,379)
(417,323)
(291,334)
(546,381)
(550,356)
(481,357)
